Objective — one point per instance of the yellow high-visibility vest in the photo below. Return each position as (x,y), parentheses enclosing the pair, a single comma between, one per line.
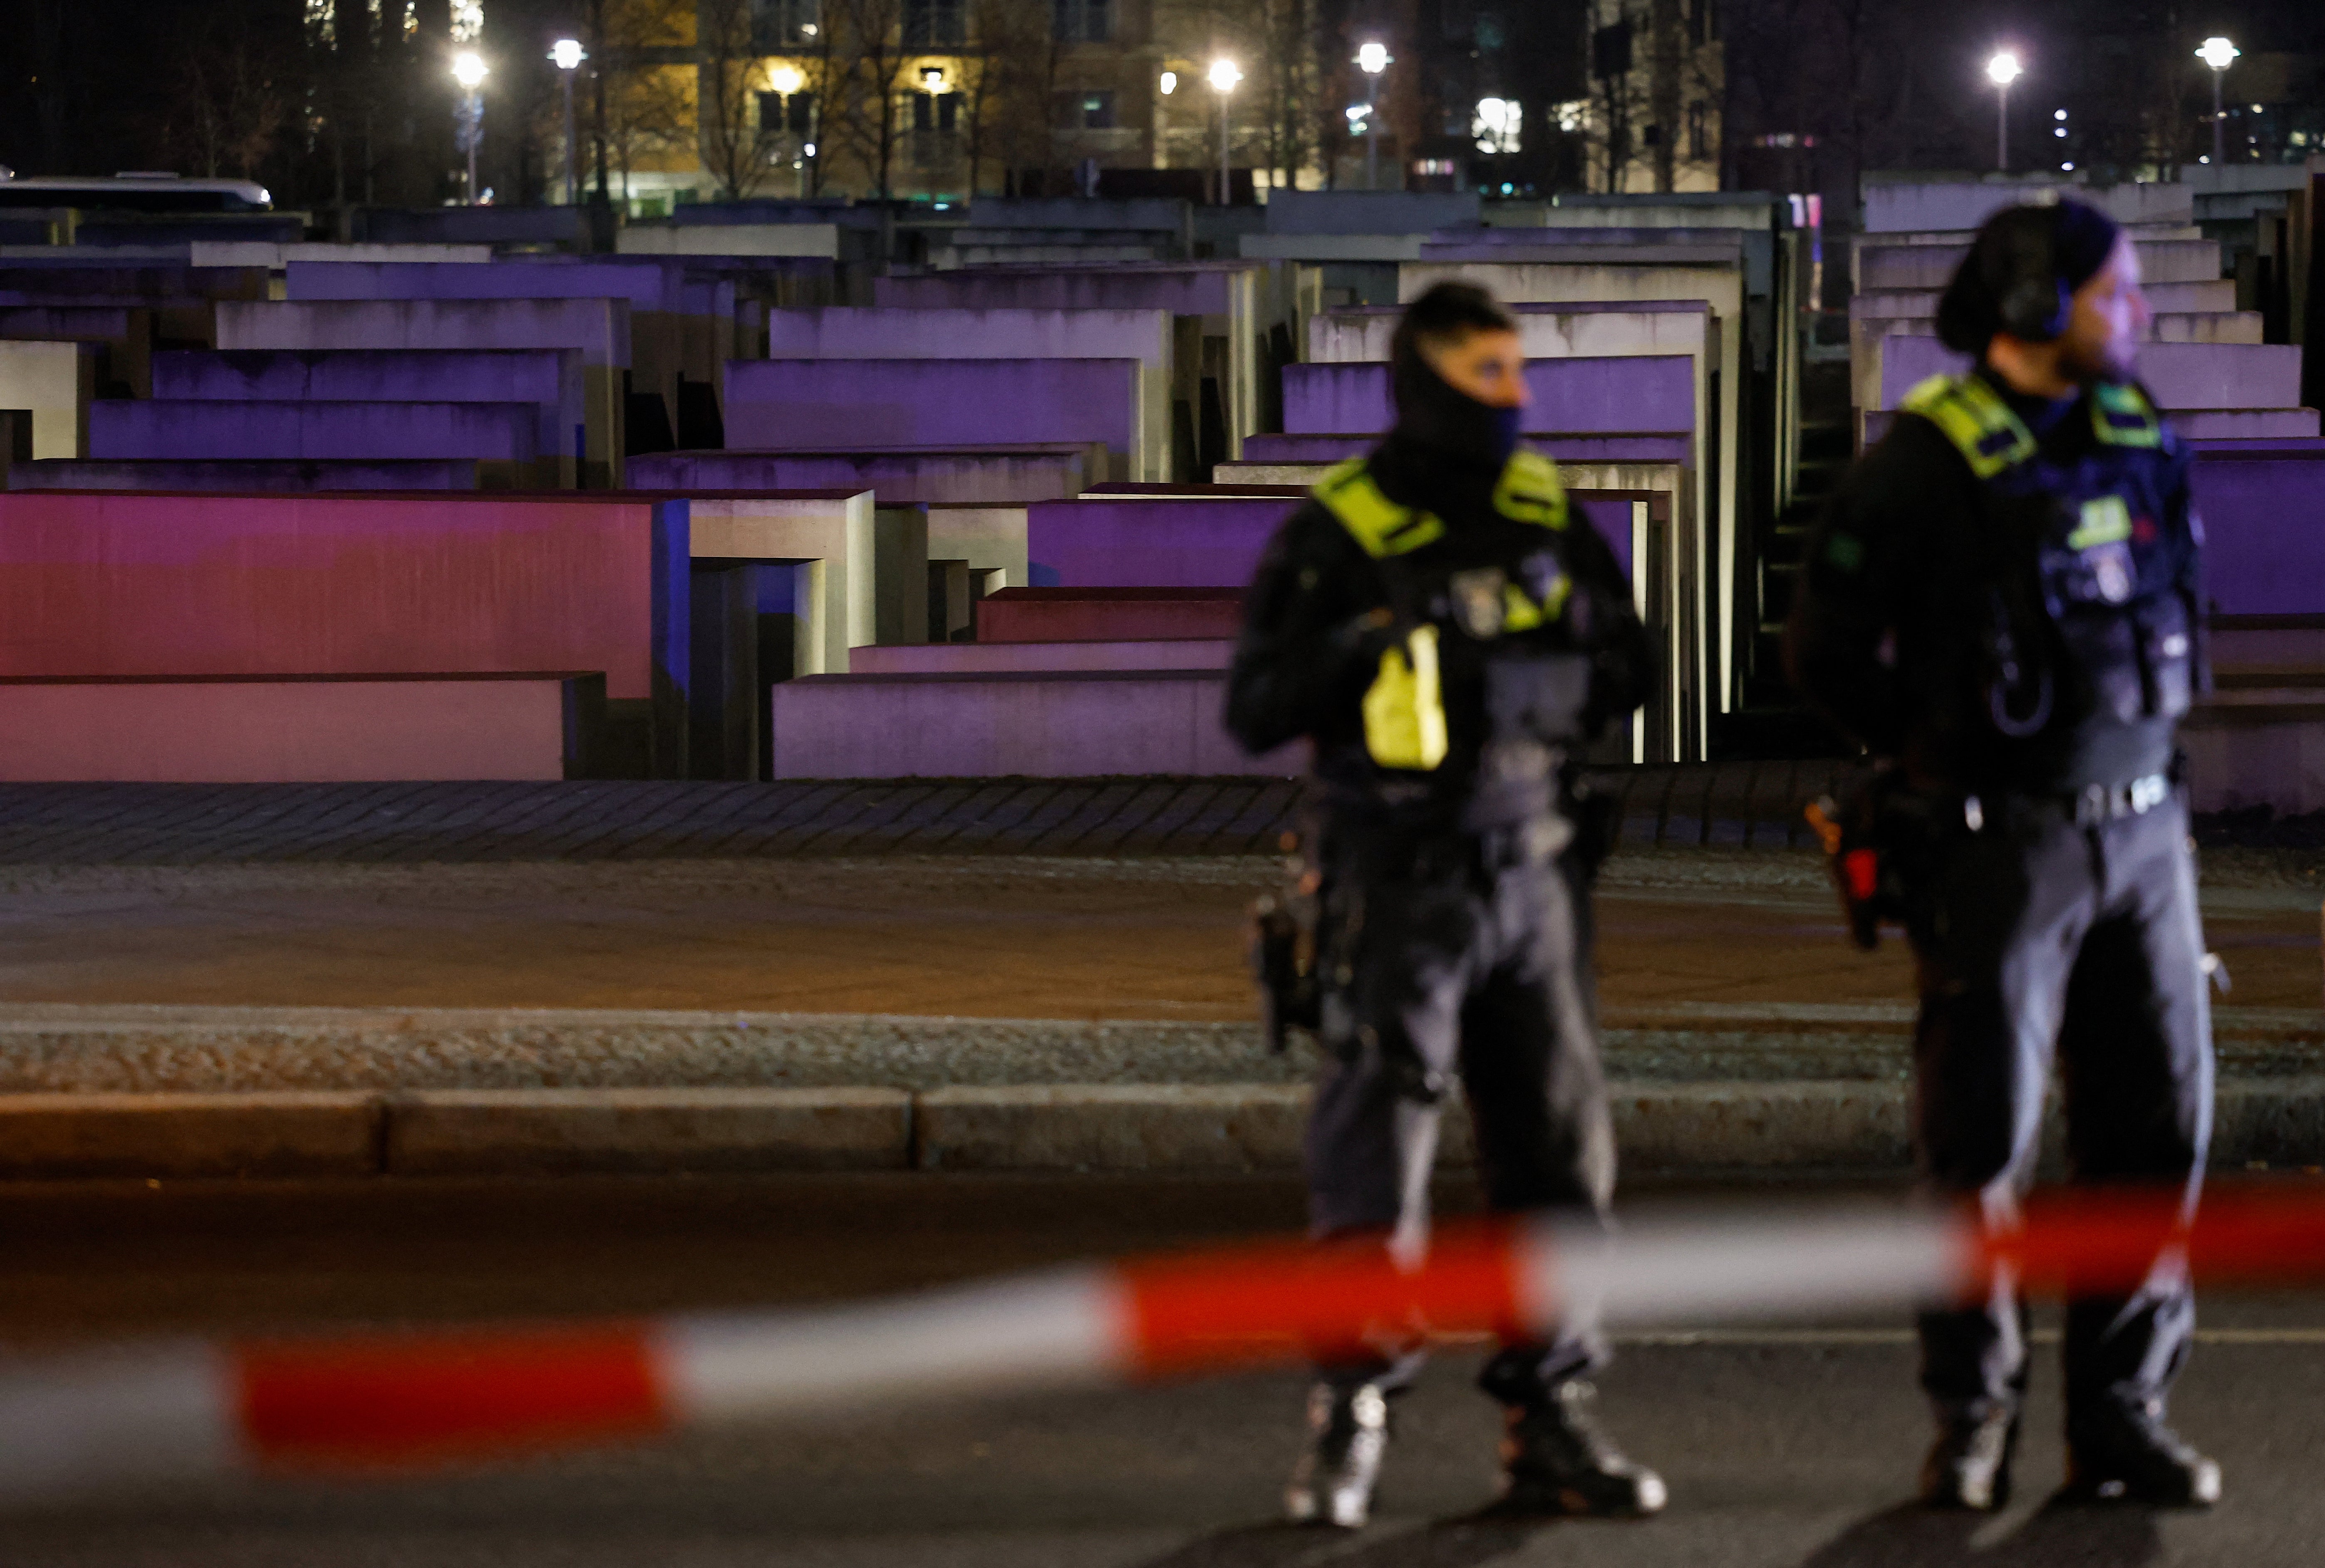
(1405,706)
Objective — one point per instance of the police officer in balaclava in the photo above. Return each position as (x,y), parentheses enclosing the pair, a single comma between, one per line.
(1449,633)
(2002,605)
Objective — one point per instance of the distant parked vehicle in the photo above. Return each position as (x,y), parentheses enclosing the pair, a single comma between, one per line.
(134,191)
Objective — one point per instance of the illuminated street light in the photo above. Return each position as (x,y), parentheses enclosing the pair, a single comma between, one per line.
(469,70)
(1169,83)
(569,54)
(1371,58)
(1224,77)
(2002,71)
(2219,54)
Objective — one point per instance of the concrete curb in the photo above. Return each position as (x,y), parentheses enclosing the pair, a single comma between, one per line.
(1666,1129)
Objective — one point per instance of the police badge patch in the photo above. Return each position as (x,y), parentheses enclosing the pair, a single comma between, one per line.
(2111,572)
(1478,607)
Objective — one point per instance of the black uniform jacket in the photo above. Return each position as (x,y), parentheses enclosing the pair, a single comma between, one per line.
(1915,560)
(1311,646)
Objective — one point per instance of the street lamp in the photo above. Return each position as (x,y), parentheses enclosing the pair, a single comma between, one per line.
(2002,71)
(2219,54)
(1169,83)
(569,54)
(469,69)
(1224,77)
(1371,58)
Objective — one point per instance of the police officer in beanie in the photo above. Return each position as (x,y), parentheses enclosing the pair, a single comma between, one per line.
(2003,605)
(1449,633)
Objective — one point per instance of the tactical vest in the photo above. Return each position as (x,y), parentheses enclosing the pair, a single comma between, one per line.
(2106,551)
(1405,706)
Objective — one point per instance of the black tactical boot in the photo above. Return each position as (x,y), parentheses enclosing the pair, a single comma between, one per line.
(1347,1434)
(1556,1460)
(1968,1466)
(2121,1451)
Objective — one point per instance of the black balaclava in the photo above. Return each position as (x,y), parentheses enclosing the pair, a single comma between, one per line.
(1452,425)
(1447,452)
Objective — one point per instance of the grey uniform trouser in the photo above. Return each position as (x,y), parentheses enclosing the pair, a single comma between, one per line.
(1470,963)
(2041,940)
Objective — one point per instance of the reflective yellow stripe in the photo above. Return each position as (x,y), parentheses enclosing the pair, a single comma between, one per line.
(1973,416)
(2123,417)
(1378,523)
(1405,708)
(1530,490)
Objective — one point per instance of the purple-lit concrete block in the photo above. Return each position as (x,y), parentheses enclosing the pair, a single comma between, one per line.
(1244,303)
(252,476)
(646,288)
(285,730)
(598,327)
(1149,544)
(1005,658)
(1566,447)
(849,404)
(1161,542)
(1932,266)
(1028,725)
(996,476)
(683,322)
(1362,334)
(549,378)
(840,332)
(1652,393)
(1183,291)
(2264,532)
(2181,375)
(503,436)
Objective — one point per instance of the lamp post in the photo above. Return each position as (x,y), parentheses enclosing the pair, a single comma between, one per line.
(470,70)
(2002,71)
(2219,54)
(1371,58)
(569,54)
(1224,77)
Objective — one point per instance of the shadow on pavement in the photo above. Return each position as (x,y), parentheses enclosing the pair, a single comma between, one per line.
(1467,1541)
(2060,1535)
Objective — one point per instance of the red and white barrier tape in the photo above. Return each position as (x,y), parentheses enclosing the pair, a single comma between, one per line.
(389,1401)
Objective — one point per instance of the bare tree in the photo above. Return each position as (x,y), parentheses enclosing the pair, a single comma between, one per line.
(649,102)
(231,97)
(730,75)
(861,115)
(1004,85)
(1291,83)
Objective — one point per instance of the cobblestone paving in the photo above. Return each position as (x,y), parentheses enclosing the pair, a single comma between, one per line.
(1739,803)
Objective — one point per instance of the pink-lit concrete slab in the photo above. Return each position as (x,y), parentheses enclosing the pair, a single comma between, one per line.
(1093,615)
(292,730)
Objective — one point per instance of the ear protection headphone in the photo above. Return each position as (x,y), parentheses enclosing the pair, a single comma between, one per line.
(2033,302)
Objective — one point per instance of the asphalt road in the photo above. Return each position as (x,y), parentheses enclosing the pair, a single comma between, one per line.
(1792,1449)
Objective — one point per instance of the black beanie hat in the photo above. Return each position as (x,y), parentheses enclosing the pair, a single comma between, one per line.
(2009,252)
